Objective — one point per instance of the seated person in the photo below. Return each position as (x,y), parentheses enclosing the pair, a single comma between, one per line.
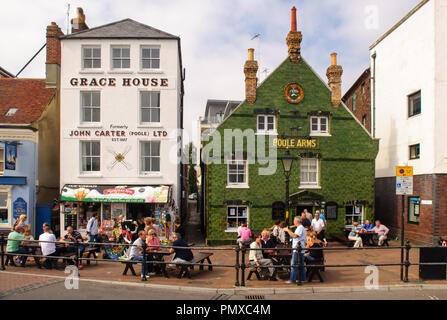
(314,255)
(354,235)
(381,231)
(305,222)
(256,258)
(281,233)
(48,248)
(244,235)
(367,226)
(152,240)
(72,237)
(136,252)
(318,226)
(266,242)
(13,245)
(180,255)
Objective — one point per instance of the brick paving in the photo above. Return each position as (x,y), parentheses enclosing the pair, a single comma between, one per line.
(225,277)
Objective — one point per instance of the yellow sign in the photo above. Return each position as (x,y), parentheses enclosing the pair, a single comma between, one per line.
(404,171)
(303,143)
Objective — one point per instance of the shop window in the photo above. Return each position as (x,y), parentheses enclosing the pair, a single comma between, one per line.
(150,106)
(90,156)
(150,156)
(354,214)
(318,125)
(414,104)
(91,57)
(415,151)
(120,57)
(4,212)
(237,173)
(2,161)
(150,58)
(414,206)
(309,172)
(90,106)
(266,124)
(236,215)
(278,210)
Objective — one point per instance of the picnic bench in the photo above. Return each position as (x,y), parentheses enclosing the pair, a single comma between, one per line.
(199,257)
(159,257)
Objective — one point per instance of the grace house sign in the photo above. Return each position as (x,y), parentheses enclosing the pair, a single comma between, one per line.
(160,83)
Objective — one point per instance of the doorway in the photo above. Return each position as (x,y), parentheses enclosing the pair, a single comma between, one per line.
(300,209)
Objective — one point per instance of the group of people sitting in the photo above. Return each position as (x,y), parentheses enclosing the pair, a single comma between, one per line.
(368,231)
(308,235)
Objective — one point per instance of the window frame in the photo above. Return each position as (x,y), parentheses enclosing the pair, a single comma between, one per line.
(140,108)
(91,156)
(112,58)
(246,217)
(7,190)
(417,203)
(237,184)
(307,184)
(266,130)
(410,103)
(319,132)
(361,215)
(91,107)
(150,58)
(143,156)
(418,145)
(92,58)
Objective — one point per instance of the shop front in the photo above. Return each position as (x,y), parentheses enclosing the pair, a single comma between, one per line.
(80,202)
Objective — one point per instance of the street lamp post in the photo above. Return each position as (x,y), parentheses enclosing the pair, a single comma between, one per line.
(287,162)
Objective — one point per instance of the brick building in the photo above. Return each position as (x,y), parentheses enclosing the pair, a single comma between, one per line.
(358,99)
(291,111)
(408,100)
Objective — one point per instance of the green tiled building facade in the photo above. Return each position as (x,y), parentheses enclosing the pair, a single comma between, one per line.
(338,172)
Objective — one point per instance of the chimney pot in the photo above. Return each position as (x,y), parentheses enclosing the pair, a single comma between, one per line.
(293,40)
(333,59)
(251,54)
(293,27)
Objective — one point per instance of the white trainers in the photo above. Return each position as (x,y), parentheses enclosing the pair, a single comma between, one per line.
(325,242)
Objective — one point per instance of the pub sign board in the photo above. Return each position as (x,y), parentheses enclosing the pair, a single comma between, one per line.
(19,208)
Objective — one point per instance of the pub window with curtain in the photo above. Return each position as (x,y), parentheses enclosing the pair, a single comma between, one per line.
(414,104)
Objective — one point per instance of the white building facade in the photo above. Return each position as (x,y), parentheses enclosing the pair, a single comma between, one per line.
(409,90)
(121,120)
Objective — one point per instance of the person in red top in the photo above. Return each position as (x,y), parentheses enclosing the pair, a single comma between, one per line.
(244,235)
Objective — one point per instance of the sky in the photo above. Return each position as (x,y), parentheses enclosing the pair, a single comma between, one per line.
(215,36)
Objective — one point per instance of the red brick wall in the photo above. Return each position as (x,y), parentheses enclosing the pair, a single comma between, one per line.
(433,218)
(362,90)
(54,43)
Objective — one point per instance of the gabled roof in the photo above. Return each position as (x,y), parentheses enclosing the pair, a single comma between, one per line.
(5,73)
(365,74)
(29,96)
(126,28)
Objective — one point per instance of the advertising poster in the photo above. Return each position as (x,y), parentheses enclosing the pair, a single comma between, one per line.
(11,157)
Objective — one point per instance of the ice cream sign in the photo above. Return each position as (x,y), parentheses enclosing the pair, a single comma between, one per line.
(106,193)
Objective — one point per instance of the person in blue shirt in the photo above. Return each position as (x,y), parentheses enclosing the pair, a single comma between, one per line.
(367,226)
(322,217)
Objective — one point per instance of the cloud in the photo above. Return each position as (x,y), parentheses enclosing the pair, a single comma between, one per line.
(215,36)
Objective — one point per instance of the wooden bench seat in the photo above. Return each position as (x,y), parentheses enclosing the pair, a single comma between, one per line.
(199,257)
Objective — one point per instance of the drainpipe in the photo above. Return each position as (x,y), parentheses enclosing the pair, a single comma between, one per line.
(373,80)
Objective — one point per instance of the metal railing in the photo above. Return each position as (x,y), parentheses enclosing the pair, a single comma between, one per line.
(240,264)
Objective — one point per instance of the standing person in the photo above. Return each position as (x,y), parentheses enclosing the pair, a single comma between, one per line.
(92,228)
(305,222)
(13,245)
(179,228)
(256,257)
(72,237)
(141,225)
(298,237)
(244,235)
(281,233)
(48,248)
(354,235)
(308,215)
(136,252)
(317,226)
(322,217)
(382,232)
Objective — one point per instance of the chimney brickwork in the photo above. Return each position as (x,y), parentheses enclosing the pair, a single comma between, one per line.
(334,73)
(78,23)
(54,44)
(293,40)
(251,81)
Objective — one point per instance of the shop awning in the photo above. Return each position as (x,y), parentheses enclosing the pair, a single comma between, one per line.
(115,193)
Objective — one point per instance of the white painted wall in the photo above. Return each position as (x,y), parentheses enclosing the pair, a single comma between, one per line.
(406,63)
(120,107)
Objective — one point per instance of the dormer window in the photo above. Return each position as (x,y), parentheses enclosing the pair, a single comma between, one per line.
(11,112)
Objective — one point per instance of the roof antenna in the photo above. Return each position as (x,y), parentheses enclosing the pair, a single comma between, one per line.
(259,53)
(68,18)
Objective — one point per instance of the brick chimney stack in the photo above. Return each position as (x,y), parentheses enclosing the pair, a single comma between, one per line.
(251,81)
(333,74)
(78,23)
(294,40)
(53,62)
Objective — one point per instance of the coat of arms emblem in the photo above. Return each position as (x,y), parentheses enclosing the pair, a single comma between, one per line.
(294,93)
